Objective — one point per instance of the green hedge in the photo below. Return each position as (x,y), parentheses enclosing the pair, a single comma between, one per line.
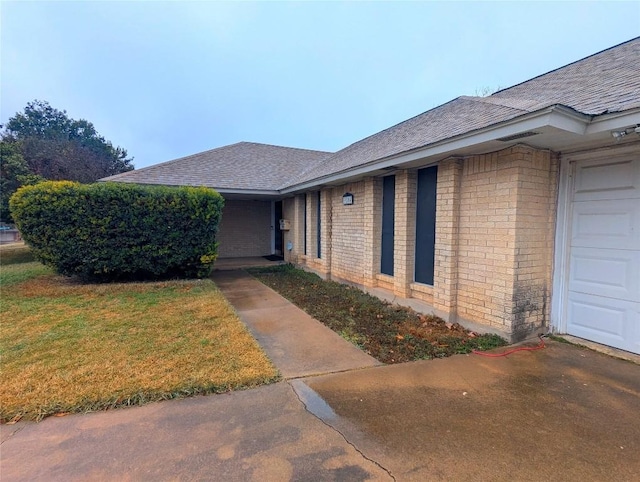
(112,231)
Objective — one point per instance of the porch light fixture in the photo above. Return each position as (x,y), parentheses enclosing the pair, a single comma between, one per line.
(347,199)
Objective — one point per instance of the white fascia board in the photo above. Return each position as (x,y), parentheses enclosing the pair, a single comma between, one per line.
(614,121)
(556,116)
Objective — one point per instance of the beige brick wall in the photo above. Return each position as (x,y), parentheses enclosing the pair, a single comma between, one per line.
(506,225)
(320,264)
(404,232)
(291,213)
(535,221)
(485,261)
(445,290)
(494,238)
(372,221)
(349,233)
(245,229)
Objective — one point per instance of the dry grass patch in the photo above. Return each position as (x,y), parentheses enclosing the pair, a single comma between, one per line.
(70,347)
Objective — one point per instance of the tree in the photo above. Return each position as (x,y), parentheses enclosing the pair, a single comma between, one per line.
(44,143)
(14,172)
(60,148)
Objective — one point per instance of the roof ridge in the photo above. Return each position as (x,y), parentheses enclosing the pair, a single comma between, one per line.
(170,161)
(281,147)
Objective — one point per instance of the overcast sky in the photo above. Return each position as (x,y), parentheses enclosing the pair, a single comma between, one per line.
(168,79)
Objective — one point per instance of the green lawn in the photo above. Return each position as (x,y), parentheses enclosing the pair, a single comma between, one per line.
(72,347)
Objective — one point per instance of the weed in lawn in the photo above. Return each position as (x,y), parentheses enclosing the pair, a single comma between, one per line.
(390,333)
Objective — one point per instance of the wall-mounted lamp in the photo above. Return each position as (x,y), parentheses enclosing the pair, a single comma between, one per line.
(347,199)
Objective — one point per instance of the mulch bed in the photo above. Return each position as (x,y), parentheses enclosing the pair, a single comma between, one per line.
(389,333)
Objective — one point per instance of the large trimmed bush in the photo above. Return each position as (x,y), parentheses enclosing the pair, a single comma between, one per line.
(112,231)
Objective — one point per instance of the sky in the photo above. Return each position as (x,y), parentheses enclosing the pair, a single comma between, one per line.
(168,79)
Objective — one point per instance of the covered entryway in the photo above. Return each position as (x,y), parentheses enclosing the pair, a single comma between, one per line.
(603,279)
(246,229)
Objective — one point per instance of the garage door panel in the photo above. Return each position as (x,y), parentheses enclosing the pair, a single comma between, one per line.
(603,289)
(605,320)
(606,272)
(606,224)
(615,179)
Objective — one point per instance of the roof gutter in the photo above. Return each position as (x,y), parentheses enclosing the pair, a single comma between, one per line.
(615,120)
(557,116)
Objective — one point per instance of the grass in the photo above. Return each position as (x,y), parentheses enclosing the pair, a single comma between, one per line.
(71,347)
(15,253)
(389,333)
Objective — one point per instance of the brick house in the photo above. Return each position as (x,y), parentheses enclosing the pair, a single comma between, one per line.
(514,213)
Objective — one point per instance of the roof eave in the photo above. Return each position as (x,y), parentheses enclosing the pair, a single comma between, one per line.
(613,121)
(558,116)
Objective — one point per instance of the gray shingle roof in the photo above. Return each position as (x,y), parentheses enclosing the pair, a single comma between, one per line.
(245,165)
(605,82)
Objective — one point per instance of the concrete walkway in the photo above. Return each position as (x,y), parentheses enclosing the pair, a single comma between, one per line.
(558,414)
(297,344)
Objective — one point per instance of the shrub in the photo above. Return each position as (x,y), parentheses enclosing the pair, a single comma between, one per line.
(111,231)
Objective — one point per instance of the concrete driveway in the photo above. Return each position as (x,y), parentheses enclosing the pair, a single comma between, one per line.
(561,413)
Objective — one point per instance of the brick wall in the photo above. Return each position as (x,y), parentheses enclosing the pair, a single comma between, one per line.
(291,213)
(348,233)
(404,232)
(245,229)
(495,219)
(535,221)
(505,243)
(445,291)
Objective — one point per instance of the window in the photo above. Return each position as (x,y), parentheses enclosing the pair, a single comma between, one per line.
(388,220)
(426,225)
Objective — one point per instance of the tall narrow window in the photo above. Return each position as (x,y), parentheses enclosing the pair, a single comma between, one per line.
(319,227)
(388,219)
(305,224)
(426,225)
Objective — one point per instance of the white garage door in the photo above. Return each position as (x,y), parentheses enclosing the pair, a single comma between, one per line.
(604,261)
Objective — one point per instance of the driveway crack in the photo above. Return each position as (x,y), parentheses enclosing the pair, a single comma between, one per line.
(339,433)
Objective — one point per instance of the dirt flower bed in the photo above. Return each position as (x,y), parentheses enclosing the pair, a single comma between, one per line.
(389,333)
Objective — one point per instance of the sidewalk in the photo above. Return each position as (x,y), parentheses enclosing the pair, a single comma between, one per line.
(297,344)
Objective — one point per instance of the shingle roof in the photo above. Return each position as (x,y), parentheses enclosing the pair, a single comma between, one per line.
(606,82)
(245,165)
